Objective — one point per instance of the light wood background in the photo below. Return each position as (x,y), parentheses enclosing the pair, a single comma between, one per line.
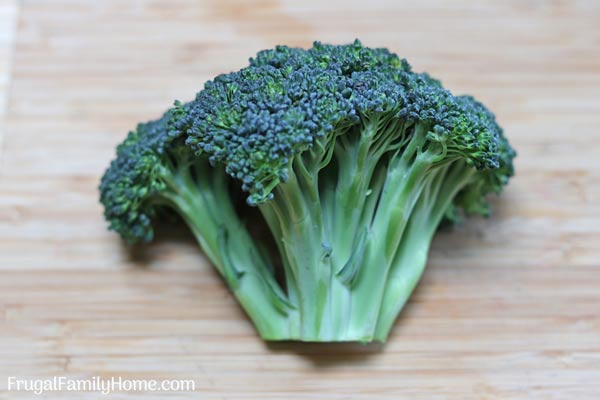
(509,307)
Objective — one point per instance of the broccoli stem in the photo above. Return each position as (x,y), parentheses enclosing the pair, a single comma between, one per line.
(295,219)
(203,200)
(343,282)
(402,187)
(348,283)
(411,257)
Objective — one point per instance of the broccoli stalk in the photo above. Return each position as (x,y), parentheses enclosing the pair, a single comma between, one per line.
(201,197)
(353,161)
(356,244)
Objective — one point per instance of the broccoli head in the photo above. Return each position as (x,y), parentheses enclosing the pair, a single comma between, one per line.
(352,160)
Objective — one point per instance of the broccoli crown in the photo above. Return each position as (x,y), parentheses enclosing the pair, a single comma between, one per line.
(136,176)
(256,119)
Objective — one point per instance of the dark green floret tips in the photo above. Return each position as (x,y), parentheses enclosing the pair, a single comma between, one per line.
(348,160)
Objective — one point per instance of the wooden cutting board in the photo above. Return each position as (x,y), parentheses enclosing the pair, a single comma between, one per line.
(509,307)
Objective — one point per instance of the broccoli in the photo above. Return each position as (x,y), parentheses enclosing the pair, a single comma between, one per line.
(347,158)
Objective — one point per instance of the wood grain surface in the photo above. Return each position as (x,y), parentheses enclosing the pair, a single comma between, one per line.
(509,307)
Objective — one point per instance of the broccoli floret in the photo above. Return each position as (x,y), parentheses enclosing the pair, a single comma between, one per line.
(353,161)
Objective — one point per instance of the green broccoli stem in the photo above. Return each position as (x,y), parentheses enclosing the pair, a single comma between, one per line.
(355,196)
(204,202)
(355,167)
(402,188)
(348,283)
(295,219)
(411,257)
